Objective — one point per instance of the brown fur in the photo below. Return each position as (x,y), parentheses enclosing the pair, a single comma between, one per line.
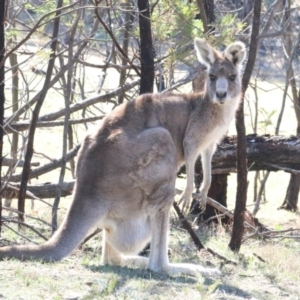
(127,169)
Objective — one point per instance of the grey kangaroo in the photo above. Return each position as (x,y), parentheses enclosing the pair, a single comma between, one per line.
(127,168)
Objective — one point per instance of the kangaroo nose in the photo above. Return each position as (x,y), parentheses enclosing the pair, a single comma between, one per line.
(221,95)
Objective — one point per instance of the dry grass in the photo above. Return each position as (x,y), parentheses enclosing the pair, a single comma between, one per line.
(81,277)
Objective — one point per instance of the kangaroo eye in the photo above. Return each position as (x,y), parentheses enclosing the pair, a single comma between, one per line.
(212,77)
(232,77)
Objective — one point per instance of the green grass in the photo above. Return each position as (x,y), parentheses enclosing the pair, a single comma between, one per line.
(81,276)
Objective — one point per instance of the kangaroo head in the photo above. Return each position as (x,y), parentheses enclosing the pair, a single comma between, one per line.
(223,69)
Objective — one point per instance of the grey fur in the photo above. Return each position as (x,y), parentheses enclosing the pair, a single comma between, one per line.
(127,169)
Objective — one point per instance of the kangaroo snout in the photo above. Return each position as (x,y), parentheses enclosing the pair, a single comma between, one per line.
(221,95)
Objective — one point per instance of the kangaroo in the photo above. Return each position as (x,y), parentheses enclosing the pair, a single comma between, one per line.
(127,168)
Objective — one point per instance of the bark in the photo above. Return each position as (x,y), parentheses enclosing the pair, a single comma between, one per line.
(292,194)
(39,191)
(56,163)
(15,100)
(263,153)
(146,48)
(35,114)
(68,98)
(186,225)
(24,125)
(127,25)
(12,162)
(218,192)
(241,196)
(203,16)
(2,96)
(115,40)
(90,101)
(209,7)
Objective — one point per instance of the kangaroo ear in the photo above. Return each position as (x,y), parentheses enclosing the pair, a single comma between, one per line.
(205,53)
(236,53)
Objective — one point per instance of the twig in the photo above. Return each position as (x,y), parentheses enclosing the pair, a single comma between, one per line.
(289,170)
(211,202)
(36,112)
(26,215)
(90,101)
(11,162)
(191,76)
(259,257)
(212,218)
(18,233)
(95,232)
(283,237)
(187,226)
(25,225)
(114,39)
(228,261)
(216,205)
(281,231)
(23,125)
(47,167)
(261,189)
(37,25)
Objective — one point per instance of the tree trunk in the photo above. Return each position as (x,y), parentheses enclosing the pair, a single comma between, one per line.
(2,97)
(241,196)
(146,48)
(35,115)
(218,192)
(209,7)
(126,28)
(292,194)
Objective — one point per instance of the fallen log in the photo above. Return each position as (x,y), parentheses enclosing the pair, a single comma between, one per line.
(38,191)
(11,162)
(270,153)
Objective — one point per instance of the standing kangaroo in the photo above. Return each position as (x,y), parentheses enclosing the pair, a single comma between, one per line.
(127,169)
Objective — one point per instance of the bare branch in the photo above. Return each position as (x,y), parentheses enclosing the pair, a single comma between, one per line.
(90,101)
(56,163)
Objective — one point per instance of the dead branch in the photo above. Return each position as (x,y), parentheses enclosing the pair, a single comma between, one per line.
(10,162)
(263,153)
(56,163)
(213,203)
(26,215)
(187,226)
(36,26)
(55,79)
(68,98)
(19,234)
(7,220)
(259,257)
(107,65)
(114,39)
(90,101)
(90,236)
(38,191)
(24,125)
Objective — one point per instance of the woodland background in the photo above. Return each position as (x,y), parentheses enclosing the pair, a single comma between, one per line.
(65,64)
